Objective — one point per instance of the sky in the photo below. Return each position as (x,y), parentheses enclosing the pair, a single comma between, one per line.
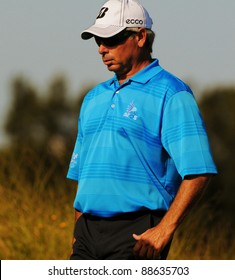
(195,40)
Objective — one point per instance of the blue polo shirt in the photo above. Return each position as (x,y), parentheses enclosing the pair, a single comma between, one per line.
(136,143)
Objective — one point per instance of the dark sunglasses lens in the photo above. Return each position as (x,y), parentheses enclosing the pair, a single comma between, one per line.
(113,41)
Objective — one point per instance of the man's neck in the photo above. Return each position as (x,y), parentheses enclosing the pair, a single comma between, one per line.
(135,69)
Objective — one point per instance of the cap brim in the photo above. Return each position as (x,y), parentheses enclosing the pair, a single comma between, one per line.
(103,32)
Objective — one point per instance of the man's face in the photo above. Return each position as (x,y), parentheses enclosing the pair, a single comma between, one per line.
(120,52)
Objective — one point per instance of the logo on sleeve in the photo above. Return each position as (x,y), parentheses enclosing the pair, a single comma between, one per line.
(74,160)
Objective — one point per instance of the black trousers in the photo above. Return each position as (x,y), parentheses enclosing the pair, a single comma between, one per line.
(111,238)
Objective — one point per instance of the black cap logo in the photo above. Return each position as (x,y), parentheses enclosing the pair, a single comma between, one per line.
(102,12)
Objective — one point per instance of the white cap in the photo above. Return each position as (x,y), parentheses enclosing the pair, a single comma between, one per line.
(115,16)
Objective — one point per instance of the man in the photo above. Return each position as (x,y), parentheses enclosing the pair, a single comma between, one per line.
(142,157)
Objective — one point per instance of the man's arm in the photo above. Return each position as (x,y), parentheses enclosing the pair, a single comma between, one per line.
(77,215)
(150,243)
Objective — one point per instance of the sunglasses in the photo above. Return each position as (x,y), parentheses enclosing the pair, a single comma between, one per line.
(114,40)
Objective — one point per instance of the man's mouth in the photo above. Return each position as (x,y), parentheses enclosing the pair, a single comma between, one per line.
(107,61)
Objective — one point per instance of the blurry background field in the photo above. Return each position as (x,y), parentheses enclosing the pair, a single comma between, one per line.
(36,213)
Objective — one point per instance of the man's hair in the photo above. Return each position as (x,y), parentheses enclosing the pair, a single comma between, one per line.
(150,37)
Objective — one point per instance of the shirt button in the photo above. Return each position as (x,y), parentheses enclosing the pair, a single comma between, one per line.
(117,91)
(113,106)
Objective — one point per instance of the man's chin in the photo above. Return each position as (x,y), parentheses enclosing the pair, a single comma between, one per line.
(112,68)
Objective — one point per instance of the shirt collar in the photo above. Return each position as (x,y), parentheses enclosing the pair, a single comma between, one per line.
(144,75)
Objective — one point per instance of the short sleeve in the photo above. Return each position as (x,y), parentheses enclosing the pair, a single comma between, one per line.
(184,136)
(73,171)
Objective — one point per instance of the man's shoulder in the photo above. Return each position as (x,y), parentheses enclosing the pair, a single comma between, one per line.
(172,81)
(159,79)
(167,84)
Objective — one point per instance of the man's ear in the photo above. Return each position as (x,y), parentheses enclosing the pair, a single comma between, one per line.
(142,35)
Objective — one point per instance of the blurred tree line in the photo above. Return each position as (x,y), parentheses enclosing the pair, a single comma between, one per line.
(218,109)
(42,128)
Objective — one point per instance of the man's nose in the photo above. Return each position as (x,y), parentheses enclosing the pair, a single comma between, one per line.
(102,49)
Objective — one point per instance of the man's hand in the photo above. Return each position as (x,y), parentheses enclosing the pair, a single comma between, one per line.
(151,243)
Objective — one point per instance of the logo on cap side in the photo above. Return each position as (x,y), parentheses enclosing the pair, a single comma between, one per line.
(134,21)
(102,12)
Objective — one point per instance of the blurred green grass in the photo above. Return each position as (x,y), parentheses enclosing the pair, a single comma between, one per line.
(37,224)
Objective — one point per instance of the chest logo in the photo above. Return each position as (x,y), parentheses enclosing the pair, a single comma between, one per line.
(131,112)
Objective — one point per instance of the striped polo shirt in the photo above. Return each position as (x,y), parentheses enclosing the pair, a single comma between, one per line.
(136,142)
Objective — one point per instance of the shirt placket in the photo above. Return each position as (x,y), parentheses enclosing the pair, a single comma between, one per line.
(114,104)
